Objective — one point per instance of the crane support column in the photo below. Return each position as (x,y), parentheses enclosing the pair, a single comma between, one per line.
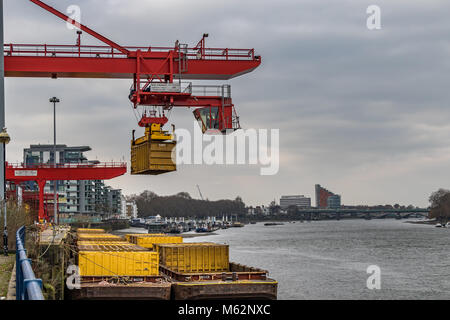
(2,112)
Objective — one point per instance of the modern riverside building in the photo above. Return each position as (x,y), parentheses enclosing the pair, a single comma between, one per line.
(326,198)
(334,202)
(298,200)
(75,197)
(129,209)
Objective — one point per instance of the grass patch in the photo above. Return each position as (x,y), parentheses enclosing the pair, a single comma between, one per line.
(6,267)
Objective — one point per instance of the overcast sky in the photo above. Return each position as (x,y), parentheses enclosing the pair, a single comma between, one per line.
(364,113)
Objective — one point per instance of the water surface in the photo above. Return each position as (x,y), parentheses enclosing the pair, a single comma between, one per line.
(329,259)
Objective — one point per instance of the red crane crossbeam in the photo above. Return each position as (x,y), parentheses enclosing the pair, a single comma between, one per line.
(46,172)
(67,61)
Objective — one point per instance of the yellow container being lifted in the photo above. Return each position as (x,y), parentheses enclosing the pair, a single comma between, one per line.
(150,242)
(194,257)
(118,263)
(153,153)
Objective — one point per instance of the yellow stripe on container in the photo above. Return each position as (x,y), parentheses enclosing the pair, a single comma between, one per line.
(113,263)
(194,257)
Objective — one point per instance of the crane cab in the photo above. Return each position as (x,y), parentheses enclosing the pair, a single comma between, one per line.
(219,119)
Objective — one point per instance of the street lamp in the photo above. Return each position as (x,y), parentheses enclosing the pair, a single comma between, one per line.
(4,139)
(54,100)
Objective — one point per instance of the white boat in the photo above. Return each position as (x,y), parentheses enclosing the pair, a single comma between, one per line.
(448,225)
(438,225)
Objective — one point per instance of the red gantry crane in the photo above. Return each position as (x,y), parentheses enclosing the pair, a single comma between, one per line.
(157,74)
(153,70)
(69,171)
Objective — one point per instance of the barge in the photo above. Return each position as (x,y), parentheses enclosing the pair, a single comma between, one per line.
(148,288)
(239,282)
(120,270)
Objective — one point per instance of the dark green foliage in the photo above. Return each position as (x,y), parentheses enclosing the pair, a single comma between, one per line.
(182,205)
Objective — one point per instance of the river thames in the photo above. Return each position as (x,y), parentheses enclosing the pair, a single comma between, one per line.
(329,259)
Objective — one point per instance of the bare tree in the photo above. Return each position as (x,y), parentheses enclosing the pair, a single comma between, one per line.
(440,205)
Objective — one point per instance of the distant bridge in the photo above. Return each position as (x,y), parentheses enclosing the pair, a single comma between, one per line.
(317,214)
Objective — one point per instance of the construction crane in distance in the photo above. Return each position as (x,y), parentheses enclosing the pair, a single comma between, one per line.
(201,196)
(154,90)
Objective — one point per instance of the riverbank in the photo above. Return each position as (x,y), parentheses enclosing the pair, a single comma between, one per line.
(428,222)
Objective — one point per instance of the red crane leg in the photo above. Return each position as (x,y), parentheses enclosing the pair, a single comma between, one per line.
(41,184)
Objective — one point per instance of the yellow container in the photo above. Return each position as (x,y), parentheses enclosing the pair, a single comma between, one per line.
(153,157)
(122,263)
(116,243)
(85,230)
(149,242)
(194,257)
(134,238)
(128,236)
(112,246)
(98,237)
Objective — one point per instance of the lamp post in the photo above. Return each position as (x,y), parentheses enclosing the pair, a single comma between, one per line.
(4,140)
(54,100)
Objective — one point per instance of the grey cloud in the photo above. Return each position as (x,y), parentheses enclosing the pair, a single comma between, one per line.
(362,112)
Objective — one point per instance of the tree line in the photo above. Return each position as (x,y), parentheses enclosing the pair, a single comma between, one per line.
(183,205)
(440,205)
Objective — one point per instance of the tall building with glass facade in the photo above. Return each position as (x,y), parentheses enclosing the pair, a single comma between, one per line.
(326,199)
(75,197)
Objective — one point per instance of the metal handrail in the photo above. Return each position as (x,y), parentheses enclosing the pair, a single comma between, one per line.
(198,90)
(68,165)
(27,286)
(46,50)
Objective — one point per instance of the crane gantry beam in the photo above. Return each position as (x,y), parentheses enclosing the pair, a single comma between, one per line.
(119,62)
(65,61)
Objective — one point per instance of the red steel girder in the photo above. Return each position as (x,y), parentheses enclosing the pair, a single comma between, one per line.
(121,68)
(118,62)
(102,171)
(42,173)
(180,100)
(81,26)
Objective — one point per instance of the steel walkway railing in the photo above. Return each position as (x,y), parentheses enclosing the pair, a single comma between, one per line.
(27,286)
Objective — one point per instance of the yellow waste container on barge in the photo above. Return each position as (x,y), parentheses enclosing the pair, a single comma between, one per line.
(85,230)
(118,263)
(130,236)
(194,257)
(149,242)
(98,237)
